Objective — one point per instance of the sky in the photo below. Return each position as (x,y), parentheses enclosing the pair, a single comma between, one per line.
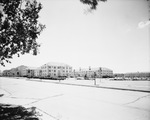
(116,35)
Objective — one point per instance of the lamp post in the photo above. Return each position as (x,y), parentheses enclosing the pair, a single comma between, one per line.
(94,78)
(59,76)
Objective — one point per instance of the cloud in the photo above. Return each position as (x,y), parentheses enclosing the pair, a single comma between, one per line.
(143,24)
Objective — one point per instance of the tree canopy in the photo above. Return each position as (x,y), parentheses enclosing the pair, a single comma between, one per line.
(19,28)
(16,112)
(92,3)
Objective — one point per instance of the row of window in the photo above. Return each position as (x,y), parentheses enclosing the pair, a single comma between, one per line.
(53,74)
(56,67)
(56,71)
(49,74)
(90,73)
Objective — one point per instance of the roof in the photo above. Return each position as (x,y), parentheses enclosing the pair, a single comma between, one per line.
(31,68)
(103,68)
(94,69)
(22,66)
(57,64)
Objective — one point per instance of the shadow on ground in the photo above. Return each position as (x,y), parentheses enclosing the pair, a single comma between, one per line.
(14,112)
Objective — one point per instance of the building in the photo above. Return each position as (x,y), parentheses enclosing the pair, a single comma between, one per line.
(7,73)
(22,70)
(119,75)
(38,72)
(93,72)
(30,71)
(14,72)
(54,70)
(137,75)
(132,76)
(11,73)
(0,73)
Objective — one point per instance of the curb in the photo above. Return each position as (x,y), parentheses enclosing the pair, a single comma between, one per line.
(115,88)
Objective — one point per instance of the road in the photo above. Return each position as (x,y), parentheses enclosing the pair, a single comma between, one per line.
(68,102)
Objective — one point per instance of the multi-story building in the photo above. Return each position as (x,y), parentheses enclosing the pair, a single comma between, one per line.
(14,72)
(22,70)
(138,75)
(53,70)
(30,71)
(93,72)
(11,73)
(6,73)
(38,72)
(19,71)
(0,73)
(106,72)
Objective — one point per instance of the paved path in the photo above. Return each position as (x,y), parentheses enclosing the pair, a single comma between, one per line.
(70,102)
(140,86)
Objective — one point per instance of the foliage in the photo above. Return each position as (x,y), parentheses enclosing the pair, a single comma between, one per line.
(92,3)
(106,76)
(11,112)
(19,28)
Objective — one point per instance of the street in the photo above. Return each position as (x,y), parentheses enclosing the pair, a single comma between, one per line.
(69,102)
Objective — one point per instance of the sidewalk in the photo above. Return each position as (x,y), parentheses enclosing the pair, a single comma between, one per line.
(139,86)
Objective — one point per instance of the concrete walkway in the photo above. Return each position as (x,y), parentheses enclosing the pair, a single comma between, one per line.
(139,86)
